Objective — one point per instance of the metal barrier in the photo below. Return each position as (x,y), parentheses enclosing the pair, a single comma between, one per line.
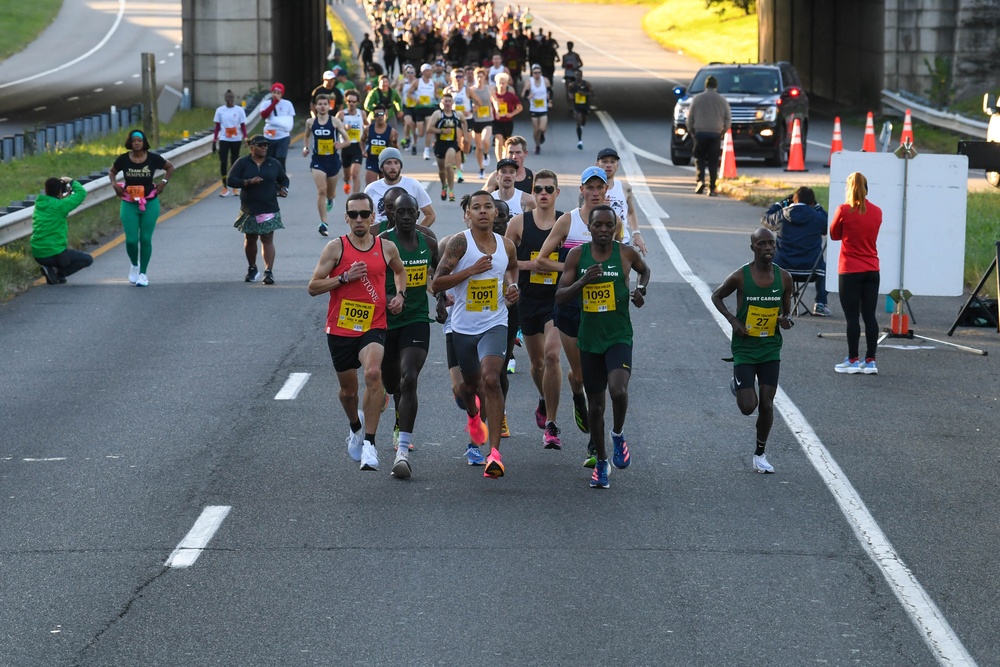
(56,137)
(931,116)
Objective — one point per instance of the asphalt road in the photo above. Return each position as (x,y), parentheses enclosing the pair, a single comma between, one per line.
(127,412)
(68,72)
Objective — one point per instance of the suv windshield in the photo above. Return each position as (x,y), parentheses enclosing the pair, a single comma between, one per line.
(739,80)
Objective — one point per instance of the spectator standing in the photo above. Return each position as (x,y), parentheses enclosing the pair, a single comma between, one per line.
(709,117)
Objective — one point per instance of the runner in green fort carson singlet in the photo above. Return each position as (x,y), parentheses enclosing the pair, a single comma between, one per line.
(759,311)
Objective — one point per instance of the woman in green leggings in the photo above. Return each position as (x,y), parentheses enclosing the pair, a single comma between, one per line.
(140,205)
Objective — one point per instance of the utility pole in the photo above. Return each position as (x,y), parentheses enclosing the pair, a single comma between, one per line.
(150,118)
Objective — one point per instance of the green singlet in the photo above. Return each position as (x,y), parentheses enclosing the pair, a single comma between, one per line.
(604,315)
(418,266)
(759,310)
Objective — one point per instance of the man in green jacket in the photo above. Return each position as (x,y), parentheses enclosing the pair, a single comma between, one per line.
(49,229)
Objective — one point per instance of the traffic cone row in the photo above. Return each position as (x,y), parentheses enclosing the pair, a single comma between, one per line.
(728,157)
(868,146)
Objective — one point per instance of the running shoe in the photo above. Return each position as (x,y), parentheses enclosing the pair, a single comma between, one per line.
(236,192)
(477,430)
(474,456)
(323,229)
(590,461)
(224,192)
(427,153)
(699,189)
(356,440)
(519,338)
(460,177)
(761,465)
(51,274)
(268,278)
(540,414)
(133,274)
(538,149)
(486,160)
(599,479)
(822,310)
(621,457)
(404,144)
(329,207)
(580,414)
(347,188)
(451,195)
(579,145)
(482,173)
(444,194)
(869,367)
(401,466)
(504,429)
(512,366)
(369,457)
(413,148)
(142,281)
(551,438)
(252,275)
(848,366)
(494,465)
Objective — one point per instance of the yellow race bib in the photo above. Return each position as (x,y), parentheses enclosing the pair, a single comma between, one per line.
(580,98)
(355,315)
(537,104)
(502,108)
(424,100)
(761,322)
(416,276)
(482,113)
(599,297)
(481,295)
(448,134)
(540,278)
(460,108)
(375,149)
(353,134)
(324,147)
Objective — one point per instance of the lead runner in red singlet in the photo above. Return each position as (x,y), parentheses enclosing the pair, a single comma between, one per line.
(352,268)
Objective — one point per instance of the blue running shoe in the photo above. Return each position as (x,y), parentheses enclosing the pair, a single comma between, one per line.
(474,456)
(599,479)
(621,457)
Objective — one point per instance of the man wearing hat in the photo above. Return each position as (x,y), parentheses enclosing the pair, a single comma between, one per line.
(343,83)
(330,89)
(279,119)
(390,163)
(708,119)
(619,198)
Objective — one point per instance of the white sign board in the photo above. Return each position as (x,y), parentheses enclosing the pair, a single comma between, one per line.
(933,260)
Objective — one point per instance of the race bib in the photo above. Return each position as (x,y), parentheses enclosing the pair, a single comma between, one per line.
(502,108)
(270,132)
(324,147)
(230,132)
(481,296)
(580,98)
(599,297)
(375,149)
(355,315)
(448,134)
(539,278)
(761,322)
(135,191)
(482,112)
(416,276)
(353,134)
(538,104)
(424,100)
(460,108)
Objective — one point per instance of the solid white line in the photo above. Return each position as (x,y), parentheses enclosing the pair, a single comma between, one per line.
(198,537)
(118,20)
(293,385)
(54,458)
(643,196)
(935,630)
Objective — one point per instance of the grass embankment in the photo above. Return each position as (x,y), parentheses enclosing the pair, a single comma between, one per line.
(342,40)
(722,33)
(23,22)
(18,269)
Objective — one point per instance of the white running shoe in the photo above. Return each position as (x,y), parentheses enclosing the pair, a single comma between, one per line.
(760,464)
(486,160)
(142,281)
(401,466)
(869,367)
(133,274)
(369,457)
(356,440)
(512,366)
(427,154)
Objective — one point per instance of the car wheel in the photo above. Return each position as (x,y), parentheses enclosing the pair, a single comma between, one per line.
(993,178)
(677,159)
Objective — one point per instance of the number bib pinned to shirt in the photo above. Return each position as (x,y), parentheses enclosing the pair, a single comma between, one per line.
(502,108)
(230,132)
(355,315)
(761,322)
(354,134)
(481,296)
(599,297)
(324,147)
(135,191)
(544,277)
(580,98)
(538,104)
(448,134)
(482,113)
(416,276)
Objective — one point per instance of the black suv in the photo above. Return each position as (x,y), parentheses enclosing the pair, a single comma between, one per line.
(765,98)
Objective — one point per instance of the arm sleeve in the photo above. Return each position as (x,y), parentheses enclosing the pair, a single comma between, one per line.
(215,133)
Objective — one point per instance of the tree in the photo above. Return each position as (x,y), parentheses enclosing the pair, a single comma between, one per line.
(748,6)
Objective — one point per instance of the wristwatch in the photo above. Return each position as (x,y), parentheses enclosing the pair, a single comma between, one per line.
(641,289)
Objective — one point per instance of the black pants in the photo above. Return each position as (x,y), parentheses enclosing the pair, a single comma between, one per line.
(859,298)
(707,151)
(67,262)
(228,152)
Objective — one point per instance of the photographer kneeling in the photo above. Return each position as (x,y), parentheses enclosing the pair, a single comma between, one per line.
(800,225)
(49,230)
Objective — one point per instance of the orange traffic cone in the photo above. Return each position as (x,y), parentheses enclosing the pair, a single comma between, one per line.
(728,157)
(837,145)
(869,144)
(907,129)
(796,158)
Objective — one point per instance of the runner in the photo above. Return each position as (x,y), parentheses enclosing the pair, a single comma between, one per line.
(482,124)
(387,97)
(763,303)
(515,148)
(231,120)
(409,332)
(352,268)
(570,231)
(279,119)
(390,163)
(463,107)
(409,109)
(619,197)
(572,63)
(581,91)
(330,89)
(447,126)
(506,106)
(496,69)
(536,92)
(355,120)
(516,200)
(425,92)
(597,273)
(378,136)
(481,268)
(537,303)
(321,133)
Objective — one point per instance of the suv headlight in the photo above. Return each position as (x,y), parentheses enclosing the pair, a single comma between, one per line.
(767,114)
(680,113)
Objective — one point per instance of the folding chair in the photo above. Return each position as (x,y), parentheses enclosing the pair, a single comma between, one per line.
(801,280)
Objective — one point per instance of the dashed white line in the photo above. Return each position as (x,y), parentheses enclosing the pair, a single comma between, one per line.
(45,460)
(190,548)
(73,99)
(293,385)
(933,627)
(118,83)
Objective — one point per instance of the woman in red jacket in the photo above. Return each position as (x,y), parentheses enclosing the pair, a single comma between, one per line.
(855,224)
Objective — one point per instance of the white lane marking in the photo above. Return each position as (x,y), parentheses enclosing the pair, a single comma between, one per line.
(293,385)
(100,44)
(98,90)
(643,195)
(198,537)
(118,83)
(52,458)
(935,630)
(41,108)
(136,76)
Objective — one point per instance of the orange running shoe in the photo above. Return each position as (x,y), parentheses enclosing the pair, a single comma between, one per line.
(494,465)
(347,188)
(477,430)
